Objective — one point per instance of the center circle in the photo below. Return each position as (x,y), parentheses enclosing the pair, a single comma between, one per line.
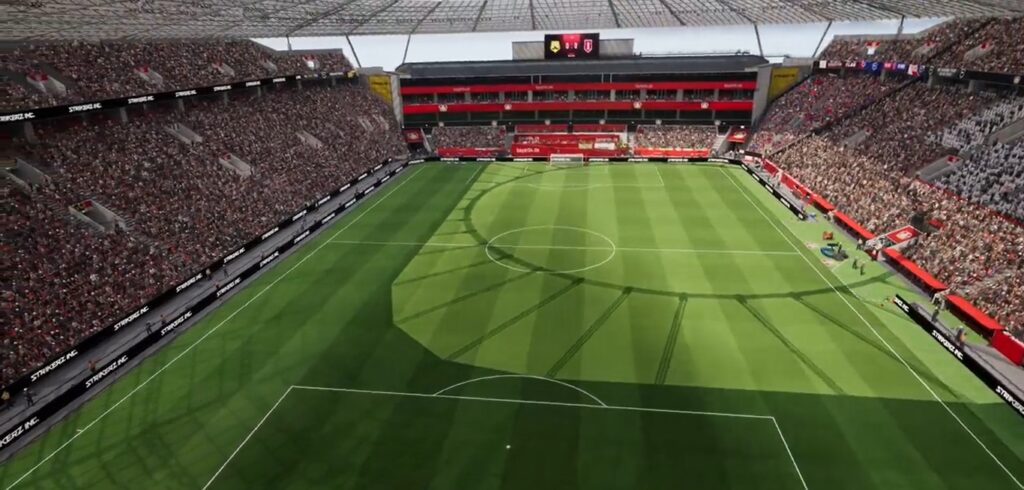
(568,243)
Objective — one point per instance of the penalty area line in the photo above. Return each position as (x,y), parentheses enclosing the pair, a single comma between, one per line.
(441,395)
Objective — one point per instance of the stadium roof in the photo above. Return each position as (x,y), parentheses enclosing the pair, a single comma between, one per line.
(110,19)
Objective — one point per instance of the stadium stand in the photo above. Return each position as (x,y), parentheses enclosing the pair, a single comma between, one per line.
(95,71)
(469,137)
(64,281)
(915,49)
(820,100)
(863,165)
(995,48)
(675,136)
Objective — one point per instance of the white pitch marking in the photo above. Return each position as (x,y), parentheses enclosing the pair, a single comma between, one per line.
(873,330)
(253,431)
(211,331)
(524,376)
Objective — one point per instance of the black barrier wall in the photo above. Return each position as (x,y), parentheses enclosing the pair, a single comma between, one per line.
(102,372)
(965,357)
(79,389)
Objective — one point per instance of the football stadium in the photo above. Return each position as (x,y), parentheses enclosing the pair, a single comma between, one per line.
(246,246)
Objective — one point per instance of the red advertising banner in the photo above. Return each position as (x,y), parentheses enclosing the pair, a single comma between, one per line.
(913,270)
(1008,346)
(672,152)
(527,150)
(599,105)
(552,87)
(451,151)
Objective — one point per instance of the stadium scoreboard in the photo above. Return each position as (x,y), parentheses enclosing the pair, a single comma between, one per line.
(572,46)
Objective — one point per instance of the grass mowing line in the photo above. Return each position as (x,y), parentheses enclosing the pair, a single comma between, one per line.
(524,376)
(873,330)
(568,247)
(211,331)
(588,334)
(508,400)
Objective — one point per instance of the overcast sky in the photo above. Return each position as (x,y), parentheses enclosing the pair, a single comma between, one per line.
(778,40)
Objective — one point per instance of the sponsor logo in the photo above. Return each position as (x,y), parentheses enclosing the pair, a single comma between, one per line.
(192,280)
(299,215)
(368,189)
(139,100)
(85,107)
(901,304)
(184,93)
(228,287)
(948,345)
(598,159)
(362,176)
(522,159)
(786,203)
(279,80)
(1012,400)
(718,160)
(270,233)
(19,431)
(349,204)
(176,323)
(636,159)
(300,237)
(131,318)
(414,162)
(328,218)
(678,160)
(376,168)
(234,255)
(54,364)
(344,187)
(96,378)
(221,88)
(384,179)
(270,258)
(252,83)
(322,201)
(486,159)
(449,159)
(21,116)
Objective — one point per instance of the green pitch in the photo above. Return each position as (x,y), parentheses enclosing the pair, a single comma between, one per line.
(526,326)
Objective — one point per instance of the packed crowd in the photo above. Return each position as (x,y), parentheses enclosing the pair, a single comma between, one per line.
(1002,40)
(814,103)
(909,49)
(96,71)
(469,137)
(675,136)
(182,208)
(991,172)
(863,165)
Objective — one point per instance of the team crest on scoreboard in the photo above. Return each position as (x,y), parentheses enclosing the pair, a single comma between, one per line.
(588,45)
(556,46)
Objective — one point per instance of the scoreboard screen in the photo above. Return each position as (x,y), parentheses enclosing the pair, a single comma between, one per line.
(572,46)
